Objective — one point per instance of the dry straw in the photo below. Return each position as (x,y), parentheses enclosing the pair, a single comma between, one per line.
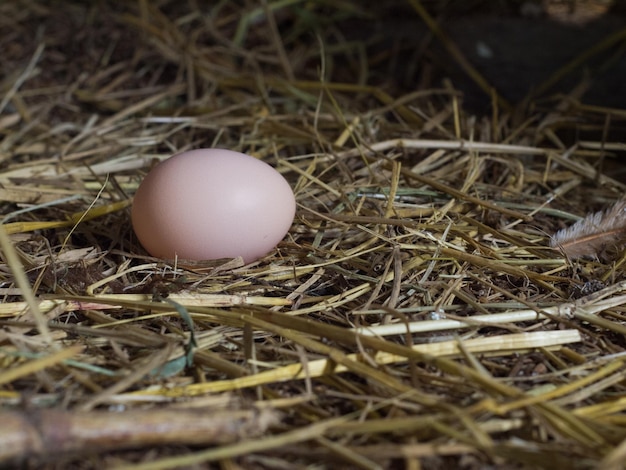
(419,314)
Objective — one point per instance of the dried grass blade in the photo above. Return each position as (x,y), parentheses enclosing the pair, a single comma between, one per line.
(14,263)
(36,365)
(321,367)
(563,390)
(289,438)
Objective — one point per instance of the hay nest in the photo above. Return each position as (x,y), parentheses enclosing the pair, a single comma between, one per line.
(417,314)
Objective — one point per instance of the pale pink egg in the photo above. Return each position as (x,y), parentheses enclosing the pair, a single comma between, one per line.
(211,203)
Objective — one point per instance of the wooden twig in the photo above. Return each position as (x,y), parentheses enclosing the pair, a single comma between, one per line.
(39,434)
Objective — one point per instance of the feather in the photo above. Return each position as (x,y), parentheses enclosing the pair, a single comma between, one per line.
(598,235)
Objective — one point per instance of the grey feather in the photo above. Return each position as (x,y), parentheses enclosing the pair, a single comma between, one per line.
(596,236)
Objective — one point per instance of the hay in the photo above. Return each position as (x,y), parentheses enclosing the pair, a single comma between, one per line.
(415,315)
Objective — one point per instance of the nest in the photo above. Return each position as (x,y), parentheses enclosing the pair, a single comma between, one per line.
(417,314)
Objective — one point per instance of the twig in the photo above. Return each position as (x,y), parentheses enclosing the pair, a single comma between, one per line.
(45,434)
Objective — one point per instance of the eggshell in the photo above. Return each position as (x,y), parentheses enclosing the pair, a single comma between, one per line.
(212,203)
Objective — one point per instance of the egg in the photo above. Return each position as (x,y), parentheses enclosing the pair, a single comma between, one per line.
(208,204)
